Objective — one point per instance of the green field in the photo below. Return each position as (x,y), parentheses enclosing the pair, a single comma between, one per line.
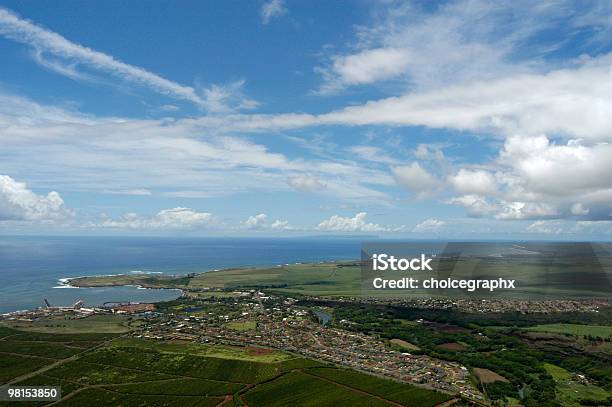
(95,323)
(242,325)
(103,398)
(388,389)
(300,389)
(55,350)
(570,390)
(102,370)
(602,331)
(196,349)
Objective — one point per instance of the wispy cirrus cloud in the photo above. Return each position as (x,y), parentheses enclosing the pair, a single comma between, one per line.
(65,57)
(272,9)
(430,46)
(173,160)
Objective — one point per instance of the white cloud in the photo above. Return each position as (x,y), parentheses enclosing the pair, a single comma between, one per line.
(43,40)
(227,98)
(131,191)
(68,57)
(260,222)
(558,169)
(175,218)
(281,225)
(415,178)
(574,102)
(429,152)
(548,227)
(305,183)
(272,9)
(365,67)
(526,210)
(559,227)
(423,47)
(476,182)
(578,210)
(257,221)
(357,223)
(174,159)
(475,205)
(19,203)
(428,225)
(374,154)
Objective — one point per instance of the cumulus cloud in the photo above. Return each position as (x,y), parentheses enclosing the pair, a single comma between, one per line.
(167,219)
(579,210)
(260,222)
(272,9)
(526,210)
(428,225)
(365,67)
(357,223)
(281,225)
(19,203)
(256,221)
(537,178)
(556,169)
(475,205)
(415,178)
(474,182)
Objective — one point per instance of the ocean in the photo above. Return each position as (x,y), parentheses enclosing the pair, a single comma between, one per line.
(31,267)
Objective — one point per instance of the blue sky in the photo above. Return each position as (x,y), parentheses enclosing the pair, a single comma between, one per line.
(459,119)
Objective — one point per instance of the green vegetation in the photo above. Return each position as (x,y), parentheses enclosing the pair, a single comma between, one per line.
(25,352)
(12,366)
(242,325)
(601,331)
(509,352)
(209,350)
(183,386)
(75,325)
(404,345)
(106,398)
(93,373)
(51,337)
(45,349)
(97,369)
(184,364)
(300,363)
(144,280)
(574,391)
(300,389)
(388,389)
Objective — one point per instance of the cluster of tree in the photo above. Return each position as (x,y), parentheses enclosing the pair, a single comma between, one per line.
(594,338)
(598,403)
